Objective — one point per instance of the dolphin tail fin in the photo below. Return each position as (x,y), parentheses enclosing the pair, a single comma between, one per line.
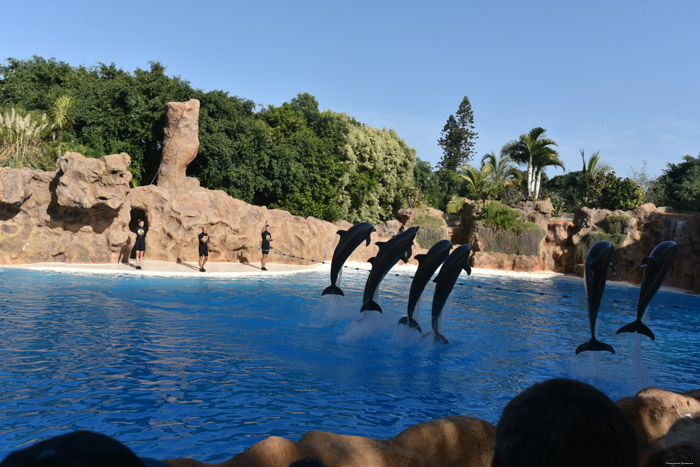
(412,323)
(332,290)
(439,338)
(371,305)
(594,345)
(637,326)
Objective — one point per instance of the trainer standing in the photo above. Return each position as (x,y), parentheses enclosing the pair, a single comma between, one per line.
(140,241)
(265,247)
(203,248)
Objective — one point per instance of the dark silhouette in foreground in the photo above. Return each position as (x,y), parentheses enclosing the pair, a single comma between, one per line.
(78,449)
(564,422)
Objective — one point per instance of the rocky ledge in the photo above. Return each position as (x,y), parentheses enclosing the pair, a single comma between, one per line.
(450,441)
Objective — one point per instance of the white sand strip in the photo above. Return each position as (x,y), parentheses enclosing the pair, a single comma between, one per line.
(224,270)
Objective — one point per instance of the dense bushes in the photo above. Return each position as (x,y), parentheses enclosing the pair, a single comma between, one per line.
(502,230)
(679,186)
(293,157)
(603,190)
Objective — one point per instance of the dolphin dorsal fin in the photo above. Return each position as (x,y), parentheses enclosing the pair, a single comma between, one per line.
(380,244)
(371,260)
(341,233)
(647,261)
(420,258)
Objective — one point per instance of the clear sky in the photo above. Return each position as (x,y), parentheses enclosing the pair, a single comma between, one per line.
(619,77)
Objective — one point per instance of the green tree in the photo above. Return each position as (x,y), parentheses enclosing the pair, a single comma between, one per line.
(594,166)
(679,185)
(379,174)
(540,162)
(458,137)
(533,149)
(500,172)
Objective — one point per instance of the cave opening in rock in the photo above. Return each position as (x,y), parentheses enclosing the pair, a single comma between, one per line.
(137,214)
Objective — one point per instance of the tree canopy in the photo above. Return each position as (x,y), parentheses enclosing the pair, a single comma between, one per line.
(293,156)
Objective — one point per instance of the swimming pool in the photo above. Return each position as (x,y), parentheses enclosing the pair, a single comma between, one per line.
(205,367)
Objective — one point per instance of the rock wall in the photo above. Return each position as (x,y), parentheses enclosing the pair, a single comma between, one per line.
(451,441)
(648,227)
(85,212)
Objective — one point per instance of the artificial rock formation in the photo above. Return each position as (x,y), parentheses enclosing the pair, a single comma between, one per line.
(648,226)
(85,212)
(180,145)
(450,441)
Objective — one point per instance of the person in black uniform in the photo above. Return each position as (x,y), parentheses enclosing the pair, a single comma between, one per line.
(265,247)
(140,241)
(203,248)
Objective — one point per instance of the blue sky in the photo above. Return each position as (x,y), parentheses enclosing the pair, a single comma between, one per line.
(619,77)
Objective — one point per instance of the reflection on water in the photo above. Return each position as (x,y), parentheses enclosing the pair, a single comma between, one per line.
(205,367)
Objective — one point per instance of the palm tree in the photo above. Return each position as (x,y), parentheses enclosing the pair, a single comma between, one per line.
(542,161)
(530,147)
(500,173)
(63,113)
(477,182)
(594,166)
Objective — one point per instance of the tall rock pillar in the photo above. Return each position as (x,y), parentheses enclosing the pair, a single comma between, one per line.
(180,145)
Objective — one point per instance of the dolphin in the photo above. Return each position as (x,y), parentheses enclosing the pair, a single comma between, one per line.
(390,252)
(595,274)
(349,241)
(658,264)
(445,281)
(427,265)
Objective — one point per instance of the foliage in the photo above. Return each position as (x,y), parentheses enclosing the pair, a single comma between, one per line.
(616,224)
(23,140)
(595,236)
(535,150)
(293,156)
(458,137)
(438,187)
(378,172)
(432,229)
(594,166)
(679,185)
(500,217)
(604,190)
(609,191)
(525,241)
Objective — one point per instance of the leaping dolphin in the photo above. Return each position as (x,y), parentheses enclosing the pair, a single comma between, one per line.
(390,252)
(658,264)
(349,241)
(445,282)
(595,275)
(427,265)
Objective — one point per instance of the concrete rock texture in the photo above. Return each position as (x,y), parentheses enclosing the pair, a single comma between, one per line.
(648,227)
(85,212)
(450,441)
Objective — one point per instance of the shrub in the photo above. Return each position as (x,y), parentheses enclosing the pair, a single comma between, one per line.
(524,240)
(615,224)
(432,230)
(500,217)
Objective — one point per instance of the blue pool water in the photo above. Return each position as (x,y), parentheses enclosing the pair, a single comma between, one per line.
(205,367)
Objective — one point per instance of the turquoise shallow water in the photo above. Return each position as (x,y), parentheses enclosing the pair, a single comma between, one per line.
(204,367)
